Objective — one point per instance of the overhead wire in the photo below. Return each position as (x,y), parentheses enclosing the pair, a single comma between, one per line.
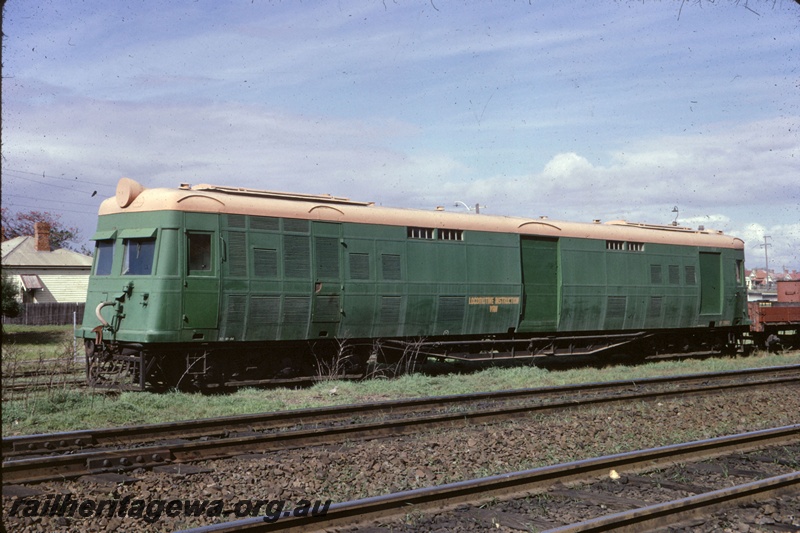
(44,175)
(11,173)
(46,200)
(50,208)
(48,184)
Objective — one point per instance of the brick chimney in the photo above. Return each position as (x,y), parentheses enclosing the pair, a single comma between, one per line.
(42,237)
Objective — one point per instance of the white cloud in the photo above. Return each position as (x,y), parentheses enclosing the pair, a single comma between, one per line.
(567,166)
(725,178)
(607,111)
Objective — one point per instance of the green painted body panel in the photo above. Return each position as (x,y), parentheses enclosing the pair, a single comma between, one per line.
(396,286)
(711,289)
(146,307)
(225,277)
(540,275)
(662,286)
(201,282)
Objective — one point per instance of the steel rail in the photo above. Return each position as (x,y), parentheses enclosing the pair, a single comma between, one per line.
(101,461)
(667,513)
(511,485)
(57,381)
(35,373)
(211,427)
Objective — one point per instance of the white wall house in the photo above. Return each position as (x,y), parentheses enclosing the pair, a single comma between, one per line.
(42,275)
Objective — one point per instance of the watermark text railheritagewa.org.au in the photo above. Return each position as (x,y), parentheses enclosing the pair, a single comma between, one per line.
(151,511)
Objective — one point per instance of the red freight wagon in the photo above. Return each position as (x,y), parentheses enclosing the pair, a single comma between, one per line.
(779,319)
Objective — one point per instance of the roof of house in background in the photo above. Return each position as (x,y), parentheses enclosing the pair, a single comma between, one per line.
(21,252)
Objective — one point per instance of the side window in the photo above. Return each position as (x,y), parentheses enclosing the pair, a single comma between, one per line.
(138,259)
(104,257)
(199,253)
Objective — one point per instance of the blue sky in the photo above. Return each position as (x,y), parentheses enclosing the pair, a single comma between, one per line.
(575,110)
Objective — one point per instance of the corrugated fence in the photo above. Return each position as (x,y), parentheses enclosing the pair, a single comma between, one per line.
(47,314)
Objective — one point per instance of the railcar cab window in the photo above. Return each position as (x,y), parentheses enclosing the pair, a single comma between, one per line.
(199,253)
(104,257)
(139,254)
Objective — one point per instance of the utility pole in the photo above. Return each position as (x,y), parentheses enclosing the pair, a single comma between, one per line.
(765,246)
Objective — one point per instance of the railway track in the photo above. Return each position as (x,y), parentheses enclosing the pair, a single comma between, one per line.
(37,372)
(28,386)
(80,453)
(470,498)
(46,374)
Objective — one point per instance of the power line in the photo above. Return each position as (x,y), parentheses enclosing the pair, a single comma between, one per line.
(52,208)
(46,200)
(48,184)
(57,178)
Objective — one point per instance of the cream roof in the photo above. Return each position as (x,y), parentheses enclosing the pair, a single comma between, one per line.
(132,197)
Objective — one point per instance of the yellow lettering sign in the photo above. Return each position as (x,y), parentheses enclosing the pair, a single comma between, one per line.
(494,301)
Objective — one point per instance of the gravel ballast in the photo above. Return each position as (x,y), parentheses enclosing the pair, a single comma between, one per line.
(359,469)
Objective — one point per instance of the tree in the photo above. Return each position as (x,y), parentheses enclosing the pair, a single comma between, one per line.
(22,224)
(10,303)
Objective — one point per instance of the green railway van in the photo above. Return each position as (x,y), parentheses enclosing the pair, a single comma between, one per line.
(215,286)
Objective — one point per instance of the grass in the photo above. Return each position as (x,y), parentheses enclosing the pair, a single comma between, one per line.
(32,343)
(67,409)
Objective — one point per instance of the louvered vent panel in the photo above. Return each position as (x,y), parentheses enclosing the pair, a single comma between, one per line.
(655,274)
(691,276)
(295,225)
(234,308)
(326,252)
(359,266)
(264,318)
(265,263)
(236,221)
(451,309)
(265,223)
(674,275)
(237,254)
(615,312)
(390,267)
(390,309)
(616,306)
(265,309)
(654,308)
(296,256)
(295,310)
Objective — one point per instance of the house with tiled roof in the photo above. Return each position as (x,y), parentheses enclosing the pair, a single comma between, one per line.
(44,275)
(786,275)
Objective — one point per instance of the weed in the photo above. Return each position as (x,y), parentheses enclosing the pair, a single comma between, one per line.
(329,368)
